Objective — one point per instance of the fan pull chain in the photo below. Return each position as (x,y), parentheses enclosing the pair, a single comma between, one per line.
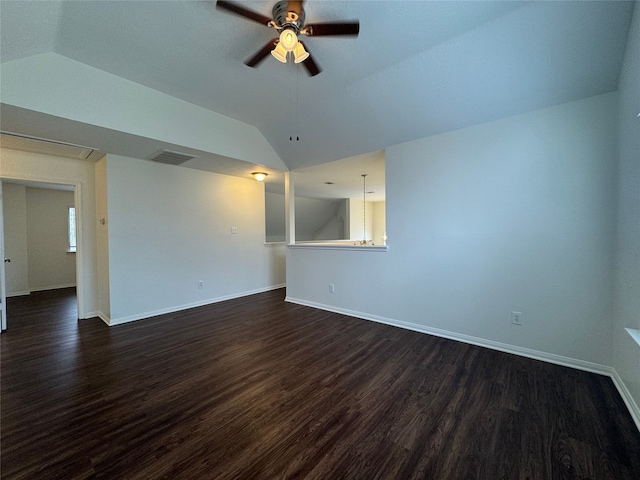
(297,107)
(290,107)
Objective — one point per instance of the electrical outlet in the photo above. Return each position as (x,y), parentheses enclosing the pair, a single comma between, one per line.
(200,285)
(332,288)
(234,230)
(516,318)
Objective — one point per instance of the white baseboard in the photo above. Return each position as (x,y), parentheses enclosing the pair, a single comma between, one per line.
(626,397)
(132,318)
(39,289)
(97,314)
(18,294)
(53,287)
(104,318)
(502,347)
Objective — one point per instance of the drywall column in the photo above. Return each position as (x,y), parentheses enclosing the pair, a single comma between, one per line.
(626,352)
(102,238)
(290,209)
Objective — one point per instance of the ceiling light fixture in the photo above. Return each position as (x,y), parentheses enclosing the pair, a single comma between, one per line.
(259,176)
(299,53)
(288,39)
(280,53)
(288,42)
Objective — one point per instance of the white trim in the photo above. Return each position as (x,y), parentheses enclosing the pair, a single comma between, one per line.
(18,294)
(632,406)
(481,342)
(140,316)
(634,410)
(80,247)
(337,246)
(3,279)
(98,314)
(103,317)
(52,287)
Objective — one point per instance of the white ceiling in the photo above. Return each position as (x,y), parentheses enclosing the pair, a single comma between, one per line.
(345,178)
(417,68)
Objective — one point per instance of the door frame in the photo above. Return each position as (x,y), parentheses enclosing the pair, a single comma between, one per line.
(77,200)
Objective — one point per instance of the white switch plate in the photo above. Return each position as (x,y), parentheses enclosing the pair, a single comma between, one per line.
(234,230)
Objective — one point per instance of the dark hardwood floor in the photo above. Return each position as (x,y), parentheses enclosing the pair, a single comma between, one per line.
(256,388)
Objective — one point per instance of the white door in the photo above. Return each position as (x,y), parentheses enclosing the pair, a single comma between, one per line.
(3,297)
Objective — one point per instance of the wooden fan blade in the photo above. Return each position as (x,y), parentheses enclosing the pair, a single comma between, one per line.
(258,57)
(312,68)
(342,28)
(243,12)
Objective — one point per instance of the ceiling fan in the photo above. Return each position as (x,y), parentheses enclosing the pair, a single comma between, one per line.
(289,21)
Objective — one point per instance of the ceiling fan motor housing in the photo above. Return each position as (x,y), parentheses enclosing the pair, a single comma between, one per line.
(286,17)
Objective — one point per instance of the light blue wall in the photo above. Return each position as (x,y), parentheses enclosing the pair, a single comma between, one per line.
(626,358)
(171,227)
(516,214)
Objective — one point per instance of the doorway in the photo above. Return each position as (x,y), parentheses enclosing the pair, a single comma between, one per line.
(40,252)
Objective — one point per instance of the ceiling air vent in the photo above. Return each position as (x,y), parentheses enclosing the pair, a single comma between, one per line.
(172,158)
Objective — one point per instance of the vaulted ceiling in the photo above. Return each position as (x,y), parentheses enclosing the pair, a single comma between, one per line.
(416,69)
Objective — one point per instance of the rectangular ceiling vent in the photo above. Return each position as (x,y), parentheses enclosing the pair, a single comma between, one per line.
(172,158)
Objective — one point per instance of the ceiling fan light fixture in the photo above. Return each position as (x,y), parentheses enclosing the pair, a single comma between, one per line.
(288,39)
(288,18)
(299,53)
(280,53)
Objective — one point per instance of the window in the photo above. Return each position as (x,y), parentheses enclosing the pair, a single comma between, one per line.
(72,229)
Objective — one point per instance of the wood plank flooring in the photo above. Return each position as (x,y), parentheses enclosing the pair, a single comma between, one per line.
(256,388)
